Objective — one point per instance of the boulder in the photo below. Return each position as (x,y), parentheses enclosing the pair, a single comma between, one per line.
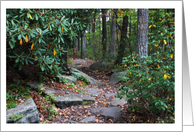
(90,79)
(70,79)
(107,112)
(86,69)
(24,113)
(88,119)
(109,95)
(118,101)
(101,65)
(115,77)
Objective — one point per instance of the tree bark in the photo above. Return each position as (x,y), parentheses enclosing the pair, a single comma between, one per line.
(113,29)
(93,32)
(104,33)
(130,36)
(122,44)
(78,39)
(142,31)
(83,45)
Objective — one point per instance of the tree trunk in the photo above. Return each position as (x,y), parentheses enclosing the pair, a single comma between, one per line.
(104,33)
(90,31)
(113,29)
(64,56)
(142,31)
(83,45)
(93,32)
(78,39)
(130,36)
(122,44)
(75,43)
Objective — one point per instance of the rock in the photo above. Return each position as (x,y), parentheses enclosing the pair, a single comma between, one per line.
(107,112)
(114,79)
(92,91)
(115,70)
(66,100)
(111,113)
(79,73)
(70,79)
(118,101)
(101,65)
(89,119)
(35,85)
(24,113)
(65,72)
(72,122)
(109,95)
(86,69)
(96,111)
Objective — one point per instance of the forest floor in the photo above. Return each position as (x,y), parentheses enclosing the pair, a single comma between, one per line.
(77,113)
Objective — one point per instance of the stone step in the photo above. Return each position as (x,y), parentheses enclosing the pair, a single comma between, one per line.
(24,113)
(112,113)
(64,100)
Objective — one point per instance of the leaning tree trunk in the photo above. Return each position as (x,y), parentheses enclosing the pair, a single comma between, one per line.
(142,31)
(123,40)
(104,33)
(83,45)
(113,29)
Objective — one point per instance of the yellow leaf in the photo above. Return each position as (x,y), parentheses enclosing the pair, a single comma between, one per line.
(154,25)
(27,39)
(21,41)
(62,29)
(159,41)
(134,117)
(125,65)
(48,26)
(130,73)
(132,57)
(165,76)
(171,56)
(150,49)
(30,15)
(165,42)
(149,79)
(156,45)
(35,57)
(32,46)
(158,65)
(150,26)
(170,99)
(54,52)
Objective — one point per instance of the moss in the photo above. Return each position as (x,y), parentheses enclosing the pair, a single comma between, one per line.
(87,102)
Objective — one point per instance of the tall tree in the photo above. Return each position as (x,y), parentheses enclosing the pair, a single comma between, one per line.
(142,32)
(83,45)
(113,29)
(93,30)
(104,32)
(122,43)
(78,47)
(130,35)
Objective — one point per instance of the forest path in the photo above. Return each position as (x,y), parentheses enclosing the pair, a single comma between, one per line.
(106,109)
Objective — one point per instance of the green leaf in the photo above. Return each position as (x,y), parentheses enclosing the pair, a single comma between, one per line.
(20,66)
(17,60)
